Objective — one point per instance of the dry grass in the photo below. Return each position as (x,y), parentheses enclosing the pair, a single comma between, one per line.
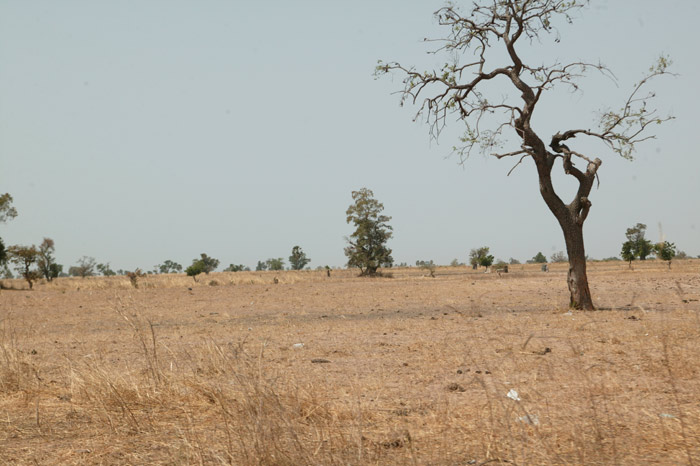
(416,369)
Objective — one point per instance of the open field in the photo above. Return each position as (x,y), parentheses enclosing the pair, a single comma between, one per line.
(237,369)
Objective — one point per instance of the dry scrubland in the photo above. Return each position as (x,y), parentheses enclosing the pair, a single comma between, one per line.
(402,370)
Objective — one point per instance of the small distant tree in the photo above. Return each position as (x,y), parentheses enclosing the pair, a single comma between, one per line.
(7,211)
(261,267)
(204,264)
(105,270)
(85,268)
(513,261)
(428,266)
(665,251)
(236,268)
(24,257)
(641,247)
(169,267)
(486,261)
(559,257)
(195,269)
(539,258)
(480,256)
(134,277)
(367,248)
(627,252)
(210,264)
(275,263)
(298,259)
(680,255)
(45,261)
(456,263)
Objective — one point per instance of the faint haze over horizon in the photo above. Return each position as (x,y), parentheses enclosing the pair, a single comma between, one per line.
(136,132)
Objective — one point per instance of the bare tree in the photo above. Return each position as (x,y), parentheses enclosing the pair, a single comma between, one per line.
(491,33)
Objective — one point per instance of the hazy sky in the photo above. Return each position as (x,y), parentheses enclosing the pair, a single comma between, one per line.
(140,131)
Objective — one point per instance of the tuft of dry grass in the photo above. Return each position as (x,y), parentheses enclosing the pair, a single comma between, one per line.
(464,368)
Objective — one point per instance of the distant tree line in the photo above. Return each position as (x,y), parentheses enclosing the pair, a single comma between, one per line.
(366,250)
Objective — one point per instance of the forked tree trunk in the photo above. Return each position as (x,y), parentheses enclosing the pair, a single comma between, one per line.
(571,222)
(580,294)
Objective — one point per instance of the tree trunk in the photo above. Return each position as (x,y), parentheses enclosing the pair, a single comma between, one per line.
(571,218)
(580,294)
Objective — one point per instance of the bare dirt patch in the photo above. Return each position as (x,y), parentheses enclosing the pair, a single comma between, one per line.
(464,368)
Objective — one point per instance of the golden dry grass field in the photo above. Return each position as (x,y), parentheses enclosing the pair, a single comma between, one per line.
(238,369)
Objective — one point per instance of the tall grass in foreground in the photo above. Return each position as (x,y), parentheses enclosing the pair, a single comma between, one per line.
(217,403)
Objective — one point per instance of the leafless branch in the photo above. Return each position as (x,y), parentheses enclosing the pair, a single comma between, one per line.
(519,162)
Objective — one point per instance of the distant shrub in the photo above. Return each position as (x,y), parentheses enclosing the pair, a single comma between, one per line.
(85,268)
(134,277)
(236,268)
(428,266)
(559,257)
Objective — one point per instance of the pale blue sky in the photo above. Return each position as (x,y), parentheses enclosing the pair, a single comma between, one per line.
(140,131)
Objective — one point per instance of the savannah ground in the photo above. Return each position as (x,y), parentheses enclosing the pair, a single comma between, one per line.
(238,369)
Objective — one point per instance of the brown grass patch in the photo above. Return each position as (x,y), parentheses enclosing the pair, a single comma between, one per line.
(416,370)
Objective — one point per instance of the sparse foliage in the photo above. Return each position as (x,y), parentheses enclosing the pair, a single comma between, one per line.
(7,211)
(134,277)
(665,251)
(105,270)
(236,268)
(275,263)
(204,264)
(24,257)
(456,263)
(485,46)
(45,260)
(367,248)
(261,267)
(480,256)
(169,266)
(428,266)
(298,259)
(513,261)
(210,264)
(559,257)
(195,269)
(85,268)
(638,244)
(627,252)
